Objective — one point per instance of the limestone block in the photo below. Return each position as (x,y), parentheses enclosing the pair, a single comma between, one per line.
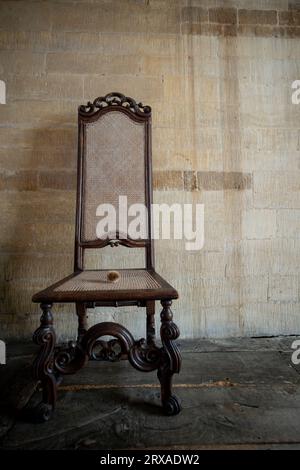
(259,223)
(283,288)
(277,189)
(288,223)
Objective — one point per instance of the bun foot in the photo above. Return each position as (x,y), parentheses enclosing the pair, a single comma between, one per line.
(42,412)
(172,406)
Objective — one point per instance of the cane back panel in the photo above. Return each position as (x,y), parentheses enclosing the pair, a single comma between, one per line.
(114,160)
(114,165)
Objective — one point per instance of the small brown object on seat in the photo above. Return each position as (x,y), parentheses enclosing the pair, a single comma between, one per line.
(113,276)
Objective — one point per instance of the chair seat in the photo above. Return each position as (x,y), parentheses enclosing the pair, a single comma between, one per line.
(93,286)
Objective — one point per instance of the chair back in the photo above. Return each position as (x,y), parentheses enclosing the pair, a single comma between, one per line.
(114,159)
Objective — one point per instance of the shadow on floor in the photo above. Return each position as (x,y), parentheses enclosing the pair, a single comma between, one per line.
(236,393)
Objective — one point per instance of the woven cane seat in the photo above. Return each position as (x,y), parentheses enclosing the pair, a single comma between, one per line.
(97,280)
(93,285)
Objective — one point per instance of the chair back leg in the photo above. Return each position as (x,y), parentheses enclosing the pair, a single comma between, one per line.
(81,313)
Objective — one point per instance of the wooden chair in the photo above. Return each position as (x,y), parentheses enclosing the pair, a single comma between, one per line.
(114,157)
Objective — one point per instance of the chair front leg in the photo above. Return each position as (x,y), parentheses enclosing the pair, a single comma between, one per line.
(43,366)
(170,359)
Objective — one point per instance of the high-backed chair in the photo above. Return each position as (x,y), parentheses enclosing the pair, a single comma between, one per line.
(114,158)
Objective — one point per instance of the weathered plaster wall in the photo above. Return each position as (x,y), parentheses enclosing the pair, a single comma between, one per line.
(218,76)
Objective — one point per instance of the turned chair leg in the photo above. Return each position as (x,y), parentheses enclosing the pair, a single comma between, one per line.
(170,359)
(150,311)
(82,320)
(43,367)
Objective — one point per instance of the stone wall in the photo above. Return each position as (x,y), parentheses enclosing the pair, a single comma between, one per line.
(218,76)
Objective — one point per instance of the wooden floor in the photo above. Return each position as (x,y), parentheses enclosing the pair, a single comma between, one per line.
(236,393)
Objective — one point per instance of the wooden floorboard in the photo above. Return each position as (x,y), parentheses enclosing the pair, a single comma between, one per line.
(233,396)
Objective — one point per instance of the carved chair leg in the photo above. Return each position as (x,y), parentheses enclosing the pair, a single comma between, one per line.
(150,311)
(170,359)
(43,368)
(82,320)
